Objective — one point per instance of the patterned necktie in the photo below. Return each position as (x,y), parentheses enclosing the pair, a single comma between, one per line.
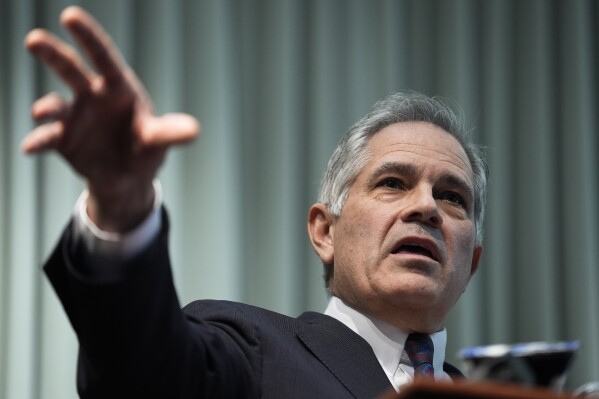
(419,348)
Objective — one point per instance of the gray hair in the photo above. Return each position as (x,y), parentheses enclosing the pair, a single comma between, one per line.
(351,153)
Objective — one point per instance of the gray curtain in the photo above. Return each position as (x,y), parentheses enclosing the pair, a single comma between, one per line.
(275,84)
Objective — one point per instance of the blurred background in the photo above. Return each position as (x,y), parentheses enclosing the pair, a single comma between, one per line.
(276,83)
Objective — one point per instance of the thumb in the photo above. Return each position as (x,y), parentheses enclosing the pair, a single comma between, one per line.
(169,129)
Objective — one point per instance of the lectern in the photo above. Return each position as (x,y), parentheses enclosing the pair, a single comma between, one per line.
(472,390)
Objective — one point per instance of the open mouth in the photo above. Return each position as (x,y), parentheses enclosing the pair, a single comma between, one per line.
(417,248)
(413,249)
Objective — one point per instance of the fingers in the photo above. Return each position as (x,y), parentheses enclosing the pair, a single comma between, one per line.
(65,60)
(43,137)
(51,106)
(61,57)
(169,129)
(97,43)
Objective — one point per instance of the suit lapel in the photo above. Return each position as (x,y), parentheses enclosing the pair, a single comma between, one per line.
(347,355)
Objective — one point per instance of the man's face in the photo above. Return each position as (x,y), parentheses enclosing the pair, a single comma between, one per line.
(404,245)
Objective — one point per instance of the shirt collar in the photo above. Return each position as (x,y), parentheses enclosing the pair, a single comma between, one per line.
(387,341)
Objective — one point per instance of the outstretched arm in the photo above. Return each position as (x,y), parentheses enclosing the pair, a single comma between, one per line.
(109,132)
(134,339)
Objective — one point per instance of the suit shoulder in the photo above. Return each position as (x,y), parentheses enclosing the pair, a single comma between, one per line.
(221,311)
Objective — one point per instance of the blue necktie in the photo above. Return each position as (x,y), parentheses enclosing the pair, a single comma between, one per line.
(420,348)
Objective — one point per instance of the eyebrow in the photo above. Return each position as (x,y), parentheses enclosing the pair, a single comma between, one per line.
(404,169)
(409,170)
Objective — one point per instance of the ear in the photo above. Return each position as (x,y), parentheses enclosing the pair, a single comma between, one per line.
(320,230)
(476,255)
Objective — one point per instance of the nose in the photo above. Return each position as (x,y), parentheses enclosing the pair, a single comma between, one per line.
(420,206)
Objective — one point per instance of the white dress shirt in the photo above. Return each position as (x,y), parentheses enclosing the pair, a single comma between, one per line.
(121,245)
(387,343)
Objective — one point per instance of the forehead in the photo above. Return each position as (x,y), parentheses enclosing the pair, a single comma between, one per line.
(422,144)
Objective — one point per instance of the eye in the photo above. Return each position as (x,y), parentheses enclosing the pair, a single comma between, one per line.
(453,198)
(392,183)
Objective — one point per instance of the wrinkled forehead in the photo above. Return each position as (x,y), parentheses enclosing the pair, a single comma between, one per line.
(421,143)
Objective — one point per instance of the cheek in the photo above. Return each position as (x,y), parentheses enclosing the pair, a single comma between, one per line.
(356,249)
(361,242)
(462,258)
(353,231)
(348,250)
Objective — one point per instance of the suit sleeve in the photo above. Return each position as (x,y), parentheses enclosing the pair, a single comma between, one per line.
(134,340)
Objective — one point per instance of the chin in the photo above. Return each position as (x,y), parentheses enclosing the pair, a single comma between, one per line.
(417,293)
(412,283)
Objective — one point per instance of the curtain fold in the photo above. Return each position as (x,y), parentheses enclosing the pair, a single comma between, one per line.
(275,84)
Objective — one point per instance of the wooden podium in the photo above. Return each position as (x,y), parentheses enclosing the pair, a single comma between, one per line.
(472,390)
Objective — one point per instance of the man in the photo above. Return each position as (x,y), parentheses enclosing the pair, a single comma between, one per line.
(398,227)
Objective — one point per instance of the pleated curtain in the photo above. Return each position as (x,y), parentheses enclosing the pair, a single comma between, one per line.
(275,84)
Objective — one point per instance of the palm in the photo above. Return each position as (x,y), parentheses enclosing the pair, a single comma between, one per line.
(108,133)
(103,137)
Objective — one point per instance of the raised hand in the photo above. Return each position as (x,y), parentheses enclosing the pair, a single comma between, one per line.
(108,132)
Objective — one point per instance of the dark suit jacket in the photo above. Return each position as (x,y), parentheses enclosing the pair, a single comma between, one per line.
(136,342)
